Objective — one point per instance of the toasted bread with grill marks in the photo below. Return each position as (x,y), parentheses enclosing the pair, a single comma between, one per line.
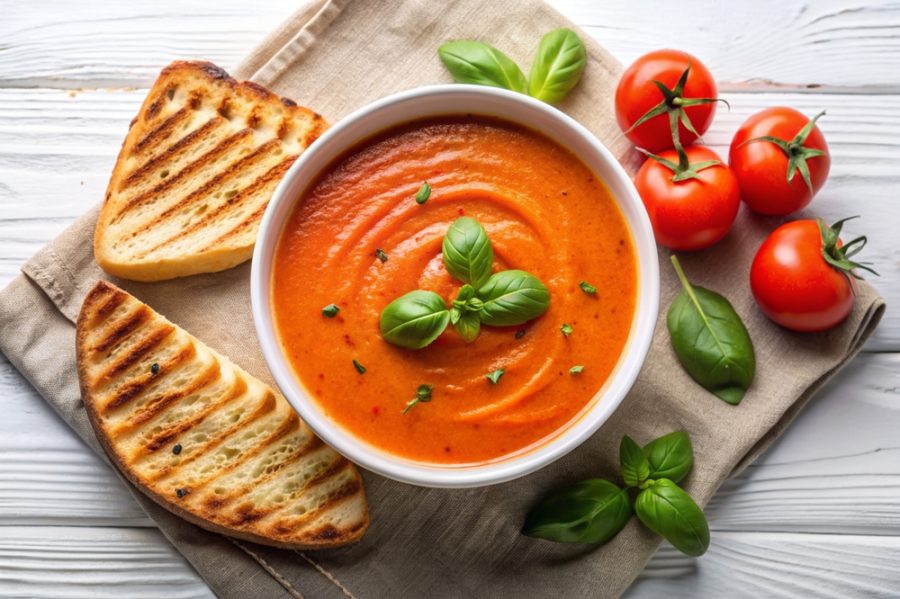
(195,173)
(205,439)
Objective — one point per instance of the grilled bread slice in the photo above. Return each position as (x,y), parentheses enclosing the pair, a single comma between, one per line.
(205,439)
(195,173)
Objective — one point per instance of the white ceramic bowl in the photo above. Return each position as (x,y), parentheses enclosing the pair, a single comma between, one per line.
(434,101)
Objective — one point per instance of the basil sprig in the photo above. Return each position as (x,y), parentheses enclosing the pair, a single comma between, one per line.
(595,510)
(557,67)
(711,341)
(506,298)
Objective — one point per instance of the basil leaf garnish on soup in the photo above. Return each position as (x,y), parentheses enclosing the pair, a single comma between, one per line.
(512,297)
(467,252)
(414,320)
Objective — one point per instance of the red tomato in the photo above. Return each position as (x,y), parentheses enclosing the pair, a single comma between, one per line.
(694,213)
(761,166)
(636,95)
(795,286)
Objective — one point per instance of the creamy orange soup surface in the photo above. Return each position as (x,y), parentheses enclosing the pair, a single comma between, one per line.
(545,212)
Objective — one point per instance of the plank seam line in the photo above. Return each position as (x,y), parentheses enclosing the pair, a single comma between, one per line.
(293,592)
(326,574)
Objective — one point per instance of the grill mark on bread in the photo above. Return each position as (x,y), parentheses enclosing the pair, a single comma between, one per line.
(133,388)
(284,523)
(285,427)
(222,147)
(177,428)
(180,147)
(262,409)
(207,376)
(231,204)
(141,348)
(161,132)
(217,501)
(122,329)
(113,300)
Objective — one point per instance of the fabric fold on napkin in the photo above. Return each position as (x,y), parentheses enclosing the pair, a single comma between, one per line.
(335,56)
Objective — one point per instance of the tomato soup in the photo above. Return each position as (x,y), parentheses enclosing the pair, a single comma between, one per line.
(358,239)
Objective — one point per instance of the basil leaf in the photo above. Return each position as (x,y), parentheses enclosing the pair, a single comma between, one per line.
(588,288)
(512,297)
(330,311)
(423,194)
(671,456)
(468,255)
(494,377)
(557,66)
(633,464)
(468,326)
(590,511)
(481,64)
(667,510)
(577,369)
(414,320)
(710,340)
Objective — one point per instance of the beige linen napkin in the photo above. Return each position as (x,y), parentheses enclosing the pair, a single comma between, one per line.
(335,55)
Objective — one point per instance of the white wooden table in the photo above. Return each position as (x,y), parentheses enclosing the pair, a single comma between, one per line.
(818,515)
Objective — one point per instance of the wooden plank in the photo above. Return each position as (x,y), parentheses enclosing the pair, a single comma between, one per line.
(92,563)
(57,148)
(776,565)
(797,44)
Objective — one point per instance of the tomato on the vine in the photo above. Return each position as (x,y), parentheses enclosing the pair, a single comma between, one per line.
(802,275)
(780,159)
(663,93)
(691,197)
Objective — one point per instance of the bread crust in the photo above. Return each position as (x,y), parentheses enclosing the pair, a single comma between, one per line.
(199,136)
(325,537)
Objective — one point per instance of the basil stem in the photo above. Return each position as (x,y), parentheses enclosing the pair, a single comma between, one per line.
(590,511)
(423,395)
(414,320)
(670,456)
(633,464)
(512,297)
(588,288)
(667,510)
(481,64)
(710,340)
(467,252)
(557,66)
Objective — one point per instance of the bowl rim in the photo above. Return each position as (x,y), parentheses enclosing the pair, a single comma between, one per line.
(567,438)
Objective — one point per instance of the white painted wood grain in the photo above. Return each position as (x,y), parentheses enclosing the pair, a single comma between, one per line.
(71,562)
(777,566)
(836,471)
(792,43)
